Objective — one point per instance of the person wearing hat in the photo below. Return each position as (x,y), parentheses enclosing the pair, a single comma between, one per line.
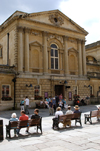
(76,109)
(69,111)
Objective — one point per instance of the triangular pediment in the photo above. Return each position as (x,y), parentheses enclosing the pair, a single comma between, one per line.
(35,43)
(56,18)
(72,49)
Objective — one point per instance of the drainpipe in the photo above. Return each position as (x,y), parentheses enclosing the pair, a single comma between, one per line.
(7,48)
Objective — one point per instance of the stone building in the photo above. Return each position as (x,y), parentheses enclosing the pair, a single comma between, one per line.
(45,55)
(93,67)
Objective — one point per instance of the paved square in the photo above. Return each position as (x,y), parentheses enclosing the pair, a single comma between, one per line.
(85,138)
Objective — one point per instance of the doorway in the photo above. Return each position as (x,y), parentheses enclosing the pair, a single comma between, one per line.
(59,89)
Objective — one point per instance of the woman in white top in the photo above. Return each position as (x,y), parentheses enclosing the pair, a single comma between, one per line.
(58,112)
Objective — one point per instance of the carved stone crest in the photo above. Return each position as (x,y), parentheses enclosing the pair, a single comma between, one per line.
(56,19)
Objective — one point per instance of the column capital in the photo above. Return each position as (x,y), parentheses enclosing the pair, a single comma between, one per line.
(20,29)
(45,33)
(26,30)
(79,40)
(83,42)
(66,38)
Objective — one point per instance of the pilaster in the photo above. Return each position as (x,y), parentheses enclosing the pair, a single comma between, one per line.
(66,65)
(45,54)
(80,57)
(26,50)
(84,57)
(20,49)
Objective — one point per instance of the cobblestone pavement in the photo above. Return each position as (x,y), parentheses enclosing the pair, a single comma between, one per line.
(85,138)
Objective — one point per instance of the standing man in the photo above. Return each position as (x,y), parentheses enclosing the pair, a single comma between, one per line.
(57,100)
(51,110)
(27,105)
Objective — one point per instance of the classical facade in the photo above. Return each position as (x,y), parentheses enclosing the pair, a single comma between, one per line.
(46,53)
(93,67)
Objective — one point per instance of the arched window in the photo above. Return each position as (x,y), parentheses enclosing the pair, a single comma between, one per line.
(54,57)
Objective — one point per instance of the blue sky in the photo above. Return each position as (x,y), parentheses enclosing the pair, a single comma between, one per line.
(86,13)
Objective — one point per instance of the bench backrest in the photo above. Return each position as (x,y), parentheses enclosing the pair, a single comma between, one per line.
(23,123)
(13,124)
(94,113)
(69,116)
(35,122)
(76,115)
(99,113)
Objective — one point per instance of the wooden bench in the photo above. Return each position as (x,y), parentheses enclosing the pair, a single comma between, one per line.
(95,113)
(65,118)
(23,124)
(39,105)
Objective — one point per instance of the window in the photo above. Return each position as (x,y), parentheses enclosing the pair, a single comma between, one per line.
(37,92)
(54,57)
(5,90)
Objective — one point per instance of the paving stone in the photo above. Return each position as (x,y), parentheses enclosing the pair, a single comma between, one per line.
(85,138)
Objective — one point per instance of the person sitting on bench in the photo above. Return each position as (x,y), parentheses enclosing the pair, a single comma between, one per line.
(23,117)
(35,115)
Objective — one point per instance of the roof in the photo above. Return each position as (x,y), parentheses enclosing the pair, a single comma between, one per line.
(92,45)
(24,15)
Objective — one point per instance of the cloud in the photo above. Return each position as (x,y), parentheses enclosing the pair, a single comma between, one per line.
(8,7)
(86,13)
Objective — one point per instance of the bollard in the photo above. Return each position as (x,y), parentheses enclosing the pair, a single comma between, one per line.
(1,129)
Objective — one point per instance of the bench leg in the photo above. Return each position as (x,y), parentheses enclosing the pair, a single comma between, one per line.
(90,121)
(9,134)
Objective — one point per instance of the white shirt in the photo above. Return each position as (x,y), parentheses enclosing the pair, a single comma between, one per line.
(69,112)
(27,101)
(58,113)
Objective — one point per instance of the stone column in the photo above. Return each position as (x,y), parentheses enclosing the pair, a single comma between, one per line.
(80,57)
(66,65)
(59,60)
(45,54)
(20,49)
(49,59)
(84,58)
(26,50)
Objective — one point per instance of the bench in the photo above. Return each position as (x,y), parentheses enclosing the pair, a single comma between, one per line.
(95,113)
(23,124)
(65,118)
(39,105)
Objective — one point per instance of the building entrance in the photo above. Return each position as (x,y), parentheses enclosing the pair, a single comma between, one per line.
(59,89)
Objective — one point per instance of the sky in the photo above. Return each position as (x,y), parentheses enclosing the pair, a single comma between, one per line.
(85,13)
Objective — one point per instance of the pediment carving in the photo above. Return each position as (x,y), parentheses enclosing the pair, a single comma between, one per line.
(56,19)
(35,43)
(51,36)
(71,49)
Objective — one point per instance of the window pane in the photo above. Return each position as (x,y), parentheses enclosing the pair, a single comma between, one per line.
(52,63)
(53,46)
(5,90)
(56,53)
(56,63)
(51,52)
